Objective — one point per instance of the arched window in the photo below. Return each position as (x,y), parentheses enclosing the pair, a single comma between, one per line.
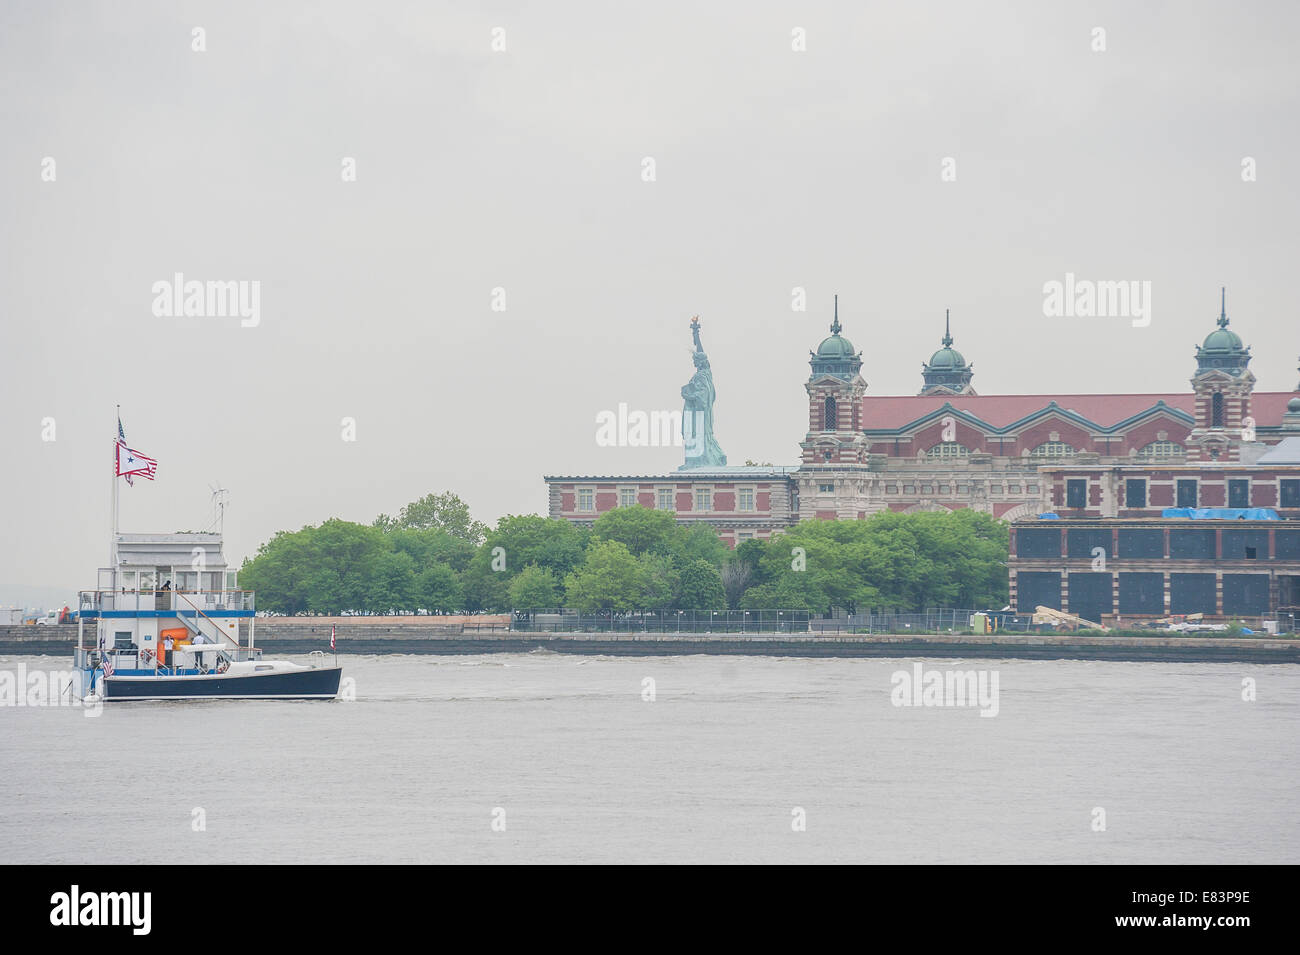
(1052,449)
(1216,410)
(830,420)
(947,449)
(1159,450)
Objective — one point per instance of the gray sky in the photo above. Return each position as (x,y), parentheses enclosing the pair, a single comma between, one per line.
(523,170)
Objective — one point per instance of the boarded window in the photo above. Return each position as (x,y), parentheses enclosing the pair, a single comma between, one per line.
(1186,493)
(1038,542)
(1239,493)
(1037,588)
(1289,495)
(1082,540)
(1141,542)
(1142,593)
(1192,593)
(1243,544)
(1090,595)
(1191,543)
(1135,493)
(1286,544)
(1245,594)
(1076,493)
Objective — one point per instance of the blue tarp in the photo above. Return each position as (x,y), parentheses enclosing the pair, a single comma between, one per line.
(1049,516)
(1222,513)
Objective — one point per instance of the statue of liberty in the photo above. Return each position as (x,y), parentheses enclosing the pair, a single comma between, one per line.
(702,448)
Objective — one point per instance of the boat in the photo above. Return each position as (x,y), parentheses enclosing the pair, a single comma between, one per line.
(167,621)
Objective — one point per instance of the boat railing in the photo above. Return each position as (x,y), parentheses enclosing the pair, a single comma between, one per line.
(97,601)
(198,613)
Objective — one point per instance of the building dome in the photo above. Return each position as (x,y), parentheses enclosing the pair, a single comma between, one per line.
(946,373)
(1222,341)
(835,347)
(1223,348)
(947,358)
(835,356)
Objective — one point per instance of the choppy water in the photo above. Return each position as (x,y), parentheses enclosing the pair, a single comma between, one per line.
(710,771)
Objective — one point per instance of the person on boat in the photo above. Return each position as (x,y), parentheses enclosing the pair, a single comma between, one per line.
(167,651)
(167,585)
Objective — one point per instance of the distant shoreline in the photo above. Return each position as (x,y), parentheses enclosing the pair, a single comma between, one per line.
(1165,648)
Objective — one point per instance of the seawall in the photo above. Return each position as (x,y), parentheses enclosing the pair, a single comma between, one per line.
(373,637)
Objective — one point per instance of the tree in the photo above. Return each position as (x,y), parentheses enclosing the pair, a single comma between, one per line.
(438,590)
(608,579)
(660,581)
(391,584)
(534,588)
(736,576)
(445,511)
(552,543)
(432,545)
(640,529)
(701,587)
(700,542)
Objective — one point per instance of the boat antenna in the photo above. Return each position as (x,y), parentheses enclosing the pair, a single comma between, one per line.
(220,501)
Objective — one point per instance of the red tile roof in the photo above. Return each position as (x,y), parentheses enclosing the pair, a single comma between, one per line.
(1002,410)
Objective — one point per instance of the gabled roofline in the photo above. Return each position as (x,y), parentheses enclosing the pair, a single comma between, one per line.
(1052,408)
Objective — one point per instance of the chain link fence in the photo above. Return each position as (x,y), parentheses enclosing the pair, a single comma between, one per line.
(739,621)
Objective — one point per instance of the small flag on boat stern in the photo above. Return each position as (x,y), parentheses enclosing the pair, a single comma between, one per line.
(332,632)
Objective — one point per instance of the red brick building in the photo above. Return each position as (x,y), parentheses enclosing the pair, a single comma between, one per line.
(948,447)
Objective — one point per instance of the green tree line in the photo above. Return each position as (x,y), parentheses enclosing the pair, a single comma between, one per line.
(434,558)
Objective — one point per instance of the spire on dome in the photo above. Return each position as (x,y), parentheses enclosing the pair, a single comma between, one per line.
(1223,306)
(835,325)
(947,329)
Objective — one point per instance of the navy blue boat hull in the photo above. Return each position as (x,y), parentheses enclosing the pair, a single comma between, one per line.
(315,684)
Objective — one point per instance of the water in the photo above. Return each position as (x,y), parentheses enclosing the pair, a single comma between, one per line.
(710,771)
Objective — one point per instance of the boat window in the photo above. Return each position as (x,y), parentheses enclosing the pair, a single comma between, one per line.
(267,667)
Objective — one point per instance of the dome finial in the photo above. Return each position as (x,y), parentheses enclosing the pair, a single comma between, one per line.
(947,329)
(1223,306)
(835,325)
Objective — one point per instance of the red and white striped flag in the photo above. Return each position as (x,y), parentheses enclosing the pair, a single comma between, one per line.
(332,630)
(130,461)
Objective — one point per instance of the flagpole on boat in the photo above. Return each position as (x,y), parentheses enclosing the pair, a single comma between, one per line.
(112,546)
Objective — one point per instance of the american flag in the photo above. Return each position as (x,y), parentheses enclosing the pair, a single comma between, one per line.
(108,665)
(332,629)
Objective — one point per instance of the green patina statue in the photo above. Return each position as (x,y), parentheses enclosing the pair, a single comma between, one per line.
(702,448)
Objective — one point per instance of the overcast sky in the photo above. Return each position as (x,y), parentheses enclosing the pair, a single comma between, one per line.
(523,169)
